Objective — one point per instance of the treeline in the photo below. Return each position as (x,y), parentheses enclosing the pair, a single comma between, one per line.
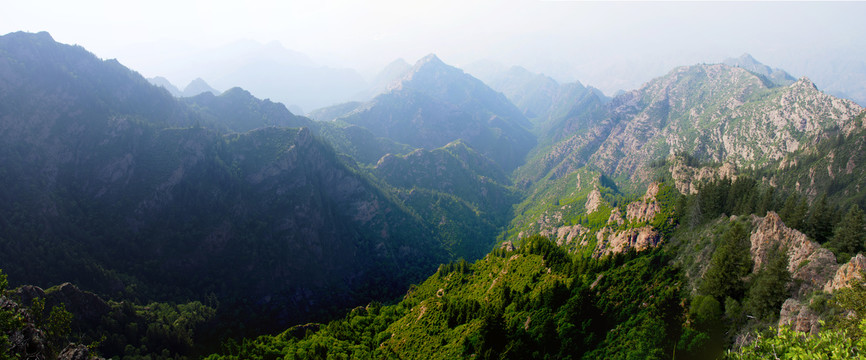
(841,230)
(41,327)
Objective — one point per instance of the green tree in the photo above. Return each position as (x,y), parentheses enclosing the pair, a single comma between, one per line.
(850,234)
(729,265)
(819,225)
(769,289)
(7,321)
(850,305)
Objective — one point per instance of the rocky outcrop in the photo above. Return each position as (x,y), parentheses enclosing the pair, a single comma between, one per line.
(593,201)
(86,307)
(565,235)
(799,317)
(687,178)
(808,262)
(645,209)
(812,267)
(847,273)
(638,239)
(77,352)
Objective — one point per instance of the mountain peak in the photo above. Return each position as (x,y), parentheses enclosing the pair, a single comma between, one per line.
(748,58)
(805,82)
(746,61)
(430,58)
(198,86)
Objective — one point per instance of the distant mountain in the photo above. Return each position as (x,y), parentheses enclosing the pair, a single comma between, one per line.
(163,82)
(435,104)
(379,84)
(239,111)
(334,111)
(746,61)
(554,109)
(198,86)
(274,72)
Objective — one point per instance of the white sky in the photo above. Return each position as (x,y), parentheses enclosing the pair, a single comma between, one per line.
(608,44)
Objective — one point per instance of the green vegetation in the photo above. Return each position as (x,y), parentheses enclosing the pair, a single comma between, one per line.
(844,337)
(535,302)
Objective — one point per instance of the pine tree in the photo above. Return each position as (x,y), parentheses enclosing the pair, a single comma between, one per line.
(769,289)
(819,225)
(730,263)
(849,236)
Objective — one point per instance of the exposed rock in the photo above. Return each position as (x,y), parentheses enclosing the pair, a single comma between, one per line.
(76,352)
(847,273)
(593,201)
(687,178)
(85,306)
(644,210)
(799,316)
(638,239)
(615,217)
(808,262)
(507,246)
(566,234)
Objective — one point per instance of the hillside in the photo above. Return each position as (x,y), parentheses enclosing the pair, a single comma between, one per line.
(112,183)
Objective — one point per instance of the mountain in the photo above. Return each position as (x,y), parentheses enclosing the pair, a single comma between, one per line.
(458,191)
(239,111)
(435,104)
(163,82)
(746,61)
(272,71)
(111,184)
(334,111)
(715,112)
(198,86)
(554,109)
(380,83)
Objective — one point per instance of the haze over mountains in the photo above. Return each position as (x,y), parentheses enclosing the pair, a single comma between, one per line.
(259,219)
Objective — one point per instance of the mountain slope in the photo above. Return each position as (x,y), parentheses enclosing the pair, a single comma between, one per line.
(239,111)
(457,191)
(435,104)
(715,112)
(110,185)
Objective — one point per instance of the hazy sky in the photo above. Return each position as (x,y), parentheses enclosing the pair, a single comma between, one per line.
(608,44)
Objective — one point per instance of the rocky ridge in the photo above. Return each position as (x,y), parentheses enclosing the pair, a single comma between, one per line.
(613,237)
(812,267)
(716,113)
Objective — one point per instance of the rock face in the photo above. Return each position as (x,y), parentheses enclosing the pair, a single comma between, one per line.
(808,262)
(593,201)
(799,317)
(715,112)
(811,266)
(638,239)
(847,273)
(687,178)
(645,209)
(87,307)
